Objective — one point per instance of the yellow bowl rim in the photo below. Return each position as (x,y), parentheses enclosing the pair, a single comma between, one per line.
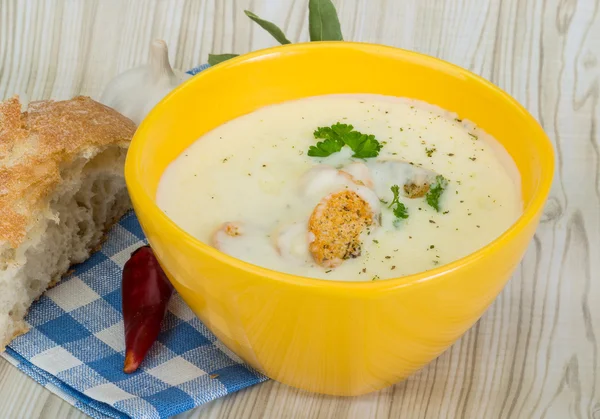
(529,213)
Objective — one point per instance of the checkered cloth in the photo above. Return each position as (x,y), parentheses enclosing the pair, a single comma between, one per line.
(76,346)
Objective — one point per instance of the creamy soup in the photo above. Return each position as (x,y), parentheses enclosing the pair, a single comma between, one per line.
(390,187)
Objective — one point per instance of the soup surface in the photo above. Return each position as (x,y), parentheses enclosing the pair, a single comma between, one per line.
(344,187)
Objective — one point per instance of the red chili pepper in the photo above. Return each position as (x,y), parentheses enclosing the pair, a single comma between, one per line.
(145,292)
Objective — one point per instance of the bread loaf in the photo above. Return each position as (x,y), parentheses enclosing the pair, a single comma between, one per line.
(61,188)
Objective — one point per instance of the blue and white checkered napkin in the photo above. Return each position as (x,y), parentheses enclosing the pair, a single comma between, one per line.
(76,344)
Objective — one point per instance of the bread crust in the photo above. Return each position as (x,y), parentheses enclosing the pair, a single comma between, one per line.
(35,144)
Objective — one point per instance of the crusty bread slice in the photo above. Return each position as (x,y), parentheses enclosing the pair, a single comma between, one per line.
(61,188)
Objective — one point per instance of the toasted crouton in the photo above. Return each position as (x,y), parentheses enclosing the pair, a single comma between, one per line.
(415,180)
(336,224)
(224,232)
(416,190)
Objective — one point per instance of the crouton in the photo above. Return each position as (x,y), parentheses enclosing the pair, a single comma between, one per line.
(225,232)
(337,223)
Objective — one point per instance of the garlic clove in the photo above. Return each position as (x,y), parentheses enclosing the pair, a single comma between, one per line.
(158,60)
(136,91)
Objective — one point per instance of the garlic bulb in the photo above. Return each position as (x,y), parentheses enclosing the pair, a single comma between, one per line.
(135,92)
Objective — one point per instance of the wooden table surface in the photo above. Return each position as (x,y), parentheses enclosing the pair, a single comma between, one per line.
(534,354)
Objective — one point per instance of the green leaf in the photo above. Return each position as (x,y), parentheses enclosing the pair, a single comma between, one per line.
(435,192)
(368,147)
(325,148)
(400,211)
(396,191)
(354,139)
(362,145)
(335,133)
(323,21)
(326,133)
(214,59)
(270,27)
(342,129)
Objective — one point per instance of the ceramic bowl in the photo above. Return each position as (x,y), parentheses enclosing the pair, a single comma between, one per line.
(338,338)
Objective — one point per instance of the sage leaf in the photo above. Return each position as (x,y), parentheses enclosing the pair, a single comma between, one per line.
(270,27)
(214,59)
(323,21)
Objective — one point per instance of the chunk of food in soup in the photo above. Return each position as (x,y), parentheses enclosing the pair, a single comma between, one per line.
(344,187)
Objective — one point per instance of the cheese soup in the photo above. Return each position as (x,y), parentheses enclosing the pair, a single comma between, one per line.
(344,187)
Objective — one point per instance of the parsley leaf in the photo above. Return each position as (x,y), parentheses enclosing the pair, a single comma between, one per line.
(396,191)
(400,210)
(435,192)
(333,137)
(368,147)
(353,139)
(338,135)
(325,148)
(342,129)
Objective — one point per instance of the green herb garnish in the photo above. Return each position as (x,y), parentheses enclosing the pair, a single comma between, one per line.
(336,132)
(399,209)
(435,192)
(338,135)
(325,148)
(367,146)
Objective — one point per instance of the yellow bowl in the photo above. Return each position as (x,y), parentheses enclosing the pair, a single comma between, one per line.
(339,338)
